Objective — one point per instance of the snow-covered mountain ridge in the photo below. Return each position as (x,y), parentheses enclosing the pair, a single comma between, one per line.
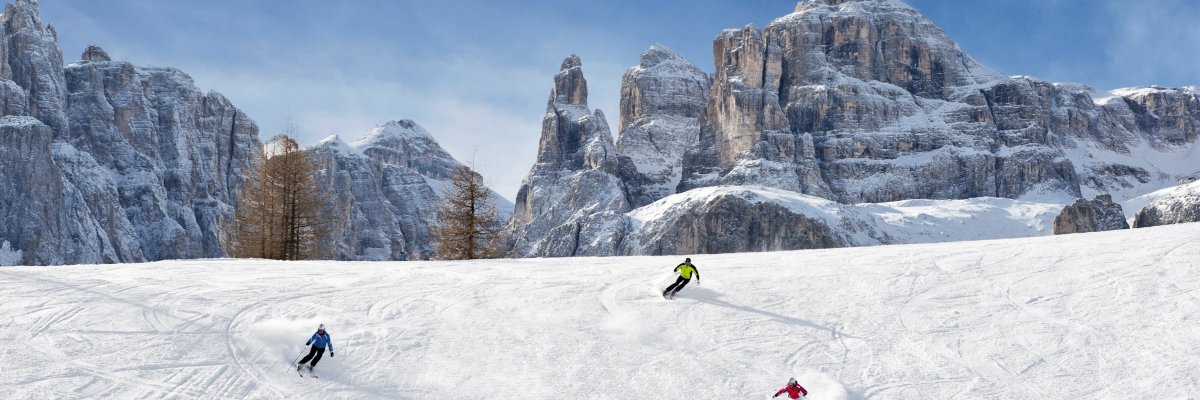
(1099,316)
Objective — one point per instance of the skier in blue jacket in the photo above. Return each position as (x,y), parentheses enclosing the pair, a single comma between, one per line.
(319,342)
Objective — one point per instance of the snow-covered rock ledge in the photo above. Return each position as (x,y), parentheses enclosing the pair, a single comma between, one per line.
(724,219)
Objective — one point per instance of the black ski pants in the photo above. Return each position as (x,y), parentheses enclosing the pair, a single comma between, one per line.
(315,355)
(678,285)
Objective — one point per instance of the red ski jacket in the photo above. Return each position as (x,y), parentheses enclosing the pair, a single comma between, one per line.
(793,392)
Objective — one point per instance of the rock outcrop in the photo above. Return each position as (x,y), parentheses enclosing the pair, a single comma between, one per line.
(729,219)
(109,162)
(95,53)
(1180,205)
(662,99)
(1097,215)
(720,219)
(176,154)
(572,201)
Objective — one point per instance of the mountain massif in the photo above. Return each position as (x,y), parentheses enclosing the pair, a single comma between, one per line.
(843,123)
(103,161)
(854,101)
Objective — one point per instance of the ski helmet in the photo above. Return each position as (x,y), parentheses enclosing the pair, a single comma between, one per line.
(792,381)
(687,260)
(321,327)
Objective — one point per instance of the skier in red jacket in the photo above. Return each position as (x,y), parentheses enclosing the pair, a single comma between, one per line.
(793,389)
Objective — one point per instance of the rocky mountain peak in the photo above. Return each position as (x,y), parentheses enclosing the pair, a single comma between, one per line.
(391,130)
(20,14)
(95,53)
(662,99)
(660,54)
(577,168)
(33,61)
(335,143)
(805,5)
(569,85)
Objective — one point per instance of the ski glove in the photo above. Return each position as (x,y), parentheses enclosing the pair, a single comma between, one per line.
(331,354)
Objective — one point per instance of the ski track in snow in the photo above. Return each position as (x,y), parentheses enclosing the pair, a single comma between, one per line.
(1097,316)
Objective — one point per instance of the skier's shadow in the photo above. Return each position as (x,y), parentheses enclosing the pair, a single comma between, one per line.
(707,296)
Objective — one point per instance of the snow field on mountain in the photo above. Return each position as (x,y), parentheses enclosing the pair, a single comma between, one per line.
(1099,316)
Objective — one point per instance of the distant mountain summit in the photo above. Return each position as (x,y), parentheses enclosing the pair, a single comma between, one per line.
(388,184)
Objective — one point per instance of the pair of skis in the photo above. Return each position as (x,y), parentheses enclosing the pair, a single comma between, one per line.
(300,370)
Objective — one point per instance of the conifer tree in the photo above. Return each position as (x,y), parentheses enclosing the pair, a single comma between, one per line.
(468,222)
(280,211)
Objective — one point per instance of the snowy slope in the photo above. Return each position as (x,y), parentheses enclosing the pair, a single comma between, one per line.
(1097,316)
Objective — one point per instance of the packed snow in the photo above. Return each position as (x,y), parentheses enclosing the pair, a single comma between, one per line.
(1098,316)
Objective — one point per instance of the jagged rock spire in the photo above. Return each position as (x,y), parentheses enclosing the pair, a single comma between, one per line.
(577,169)
(33,60)
(569,85)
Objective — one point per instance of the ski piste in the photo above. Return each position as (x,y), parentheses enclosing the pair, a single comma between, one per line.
(901,313)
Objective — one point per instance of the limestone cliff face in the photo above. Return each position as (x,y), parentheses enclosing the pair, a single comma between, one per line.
(176,154)
(1099,214)
(572,201)
(131,163)
(662,100)
(39,212)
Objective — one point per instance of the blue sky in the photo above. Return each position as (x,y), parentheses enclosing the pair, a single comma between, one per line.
(477,73)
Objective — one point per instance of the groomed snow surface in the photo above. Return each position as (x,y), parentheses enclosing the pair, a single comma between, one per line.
(1088,316)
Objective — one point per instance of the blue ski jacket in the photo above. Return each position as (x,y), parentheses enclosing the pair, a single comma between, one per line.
(321,341)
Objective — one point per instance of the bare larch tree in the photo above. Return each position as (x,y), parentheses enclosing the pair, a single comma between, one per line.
(468,222)
(280,211)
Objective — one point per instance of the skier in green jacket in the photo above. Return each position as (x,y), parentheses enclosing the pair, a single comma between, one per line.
(685,270)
